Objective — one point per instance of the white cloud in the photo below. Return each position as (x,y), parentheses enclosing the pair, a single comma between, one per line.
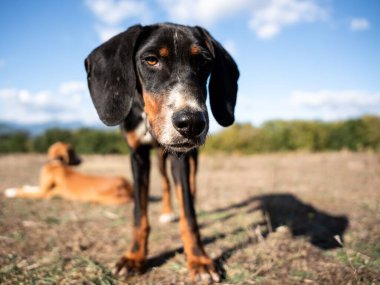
(324,105)
(230,46)
(107,32)
(359,24)
(267,18)
(112,12)
(335,99)
(70,102)
(270,17)
(70,87)
(24,97)
(110,15)
(260,109)
(204,12)
(329,104)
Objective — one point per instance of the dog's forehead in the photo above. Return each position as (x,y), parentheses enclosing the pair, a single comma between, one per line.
(172,37)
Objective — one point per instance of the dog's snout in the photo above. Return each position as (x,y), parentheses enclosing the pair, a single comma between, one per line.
(190,124)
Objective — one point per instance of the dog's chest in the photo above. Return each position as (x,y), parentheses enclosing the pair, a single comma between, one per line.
(143,133)
(139,134)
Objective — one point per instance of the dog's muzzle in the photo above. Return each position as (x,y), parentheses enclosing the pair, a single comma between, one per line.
(190,124)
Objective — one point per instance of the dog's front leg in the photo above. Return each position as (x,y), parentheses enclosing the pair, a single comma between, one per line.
(134,259)
(201,267)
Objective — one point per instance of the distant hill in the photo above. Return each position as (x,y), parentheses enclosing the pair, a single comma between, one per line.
(39,128)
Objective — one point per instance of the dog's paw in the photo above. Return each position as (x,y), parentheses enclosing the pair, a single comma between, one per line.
(167,218)
(204,271)
(10,192)
(131,264)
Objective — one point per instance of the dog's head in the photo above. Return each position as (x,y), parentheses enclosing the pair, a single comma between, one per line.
(168,65)
(64,153)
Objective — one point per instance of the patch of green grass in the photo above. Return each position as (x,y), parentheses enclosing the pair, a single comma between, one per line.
(356,259)
(175,266)
(259,280)
(7,270)
(214,216)
(17,235)
(370,249)
(13,274)
(238,236)
(117,223)
(96,272)
(301,275)
(80,270)
(238,275)
(51,221)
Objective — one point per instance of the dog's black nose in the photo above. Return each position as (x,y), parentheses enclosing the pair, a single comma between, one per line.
(190,124)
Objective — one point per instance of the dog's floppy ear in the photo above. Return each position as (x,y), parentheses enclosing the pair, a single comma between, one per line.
(111,76)
(74,158)
(223,81)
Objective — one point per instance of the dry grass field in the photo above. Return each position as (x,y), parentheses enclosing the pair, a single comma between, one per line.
(265,219)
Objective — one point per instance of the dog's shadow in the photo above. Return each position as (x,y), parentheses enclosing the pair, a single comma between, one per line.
(323,230)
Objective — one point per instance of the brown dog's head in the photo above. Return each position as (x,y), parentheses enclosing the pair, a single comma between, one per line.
(168,66)
(64,153)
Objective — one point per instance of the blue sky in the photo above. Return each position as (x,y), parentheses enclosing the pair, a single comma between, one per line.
(299,59)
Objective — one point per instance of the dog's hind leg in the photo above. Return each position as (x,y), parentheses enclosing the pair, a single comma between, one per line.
(167,214)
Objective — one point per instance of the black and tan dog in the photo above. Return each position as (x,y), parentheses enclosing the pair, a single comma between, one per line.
(152,80)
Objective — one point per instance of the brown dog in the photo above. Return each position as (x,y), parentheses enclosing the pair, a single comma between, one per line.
(58,179)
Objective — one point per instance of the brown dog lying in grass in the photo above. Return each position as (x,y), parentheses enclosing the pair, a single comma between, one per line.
(57,178)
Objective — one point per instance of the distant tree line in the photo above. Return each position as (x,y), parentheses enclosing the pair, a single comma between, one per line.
(84,140)
(273,136)
(278,135)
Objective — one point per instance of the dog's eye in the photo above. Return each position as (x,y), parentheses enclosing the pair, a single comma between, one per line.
(151,60)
